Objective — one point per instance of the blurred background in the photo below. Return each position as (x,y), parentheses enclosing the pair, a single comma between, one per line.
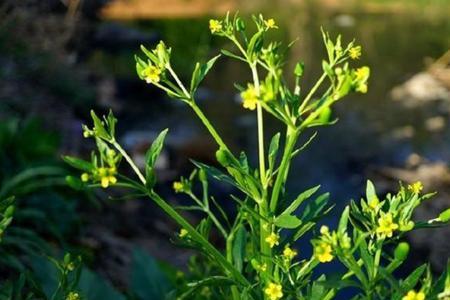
(61,58)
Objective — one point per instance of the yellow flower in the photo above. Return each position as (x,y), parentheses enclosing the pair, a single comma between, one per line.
(249,98)
(322,251)
(107,177)
(416,187)
(386,225)
(274,291)
(412,295)
(362,74)
(272,239)
(183,233)
(362,88)
(85,177)
(73,296)
(355,52)
(151,74)
(270,23)
(215,26)
(289,253)
(177,186)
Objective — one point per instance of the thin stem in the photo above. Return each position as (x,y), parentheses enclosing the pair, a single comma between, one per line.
(263,206)
(130,162)
(180,84)
(208,125)
(311,92)
(259,111)
(210,214)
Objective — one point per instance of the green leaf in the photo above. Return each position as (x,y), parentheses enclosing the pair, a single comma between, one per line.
(232,55)
(94,287)
(99,128)
(273,150)
(315,208)
(299,200)
(342,228)
(78,163)
(255,43)
(155,149)
(411,281)
(239,248)
(200,72)
(148,281)
(149,54)
(287,221)
(327,69)
(370,191)
(75,183)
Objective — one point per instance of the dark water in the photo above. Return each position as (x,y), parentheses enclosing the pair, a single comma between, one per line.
(395,46)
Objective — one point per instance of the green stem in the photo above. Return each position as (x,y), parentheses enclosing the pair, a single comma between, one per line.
(208,125)
(210,249)
(130,161)
(229,249)
(291,140)
(266,251)
(311,92)
(180,84)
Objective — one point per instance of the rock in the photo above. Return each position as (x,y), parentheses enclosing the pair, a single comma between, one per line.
(419,90)
(435,124)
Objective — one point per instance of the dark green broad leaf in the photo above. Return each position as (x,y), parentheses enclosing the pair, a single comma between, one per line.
(316,207)
(78,163)
(299,200)
(94,287)
(200,72)
(239,248)
(287,221)
(215,173)
(148,280)
(75,183)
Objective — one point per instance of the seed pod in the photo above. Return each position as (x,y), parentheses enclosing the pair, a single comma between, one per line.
(240,24)
(202,175)
(445,215)
(401,251)
(223,157)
